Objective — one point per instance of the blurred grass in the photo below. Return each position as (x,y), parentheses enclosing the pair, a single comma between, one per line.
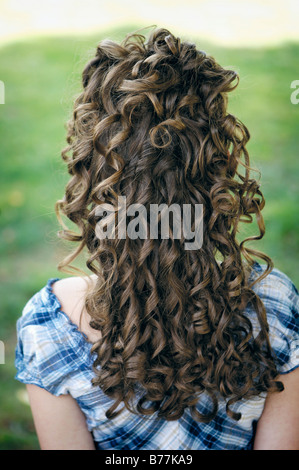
(41,78)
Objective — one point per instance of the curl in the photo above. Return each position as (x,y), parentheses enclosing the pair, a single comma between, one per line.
(151,124)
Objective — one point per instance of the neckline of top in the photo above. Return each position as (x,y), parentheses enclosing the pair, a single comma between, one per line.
(58,308)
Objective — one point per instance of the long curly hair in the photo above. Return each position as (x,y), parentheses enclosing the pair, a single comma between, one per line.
(152,125)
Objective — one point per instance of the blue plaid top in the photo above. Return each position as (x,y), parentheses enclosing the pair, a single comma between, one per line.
(52,353)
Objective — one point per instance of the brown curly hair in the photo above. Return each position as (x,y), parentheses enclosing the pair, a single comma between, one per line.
(151,124)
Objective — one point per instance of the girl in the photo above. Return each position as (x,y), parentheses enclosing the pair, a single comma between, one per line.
(161,347)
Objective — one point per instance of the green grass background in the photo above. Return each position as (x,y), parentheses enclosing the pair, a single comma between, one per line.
(41,78)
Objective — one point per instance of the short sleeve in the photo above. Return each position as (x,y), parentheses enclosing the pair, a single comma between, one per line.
(51,352)
(281,301)
(26,361)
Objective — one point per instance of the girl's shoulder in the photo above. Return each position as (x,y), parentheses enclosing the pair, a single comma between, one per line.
(281,301)
(51,344)
(60,305)
(71,293)
(277,291)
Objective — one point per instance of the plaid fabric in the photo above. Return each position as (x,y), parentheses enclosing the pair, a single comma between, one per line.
(52,353)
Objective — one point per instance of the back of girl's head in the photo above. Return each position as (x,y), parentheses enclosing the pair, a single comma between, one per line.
(152,125)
